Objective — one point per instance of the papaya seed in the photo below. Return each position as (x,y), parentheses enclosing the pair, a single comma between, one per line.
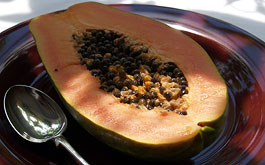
(117,93)
(142,102)
(183,112)
(134,101)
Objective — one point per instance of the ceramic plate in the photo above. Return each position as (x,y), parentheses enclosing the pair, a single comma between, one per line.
(239,56)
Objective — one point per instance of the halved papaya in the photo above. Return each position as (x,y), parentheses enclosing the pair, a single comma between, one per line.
(132,82)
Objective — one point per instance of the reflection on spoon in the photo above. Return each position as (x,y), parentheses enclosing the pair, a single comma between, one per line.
(36,117)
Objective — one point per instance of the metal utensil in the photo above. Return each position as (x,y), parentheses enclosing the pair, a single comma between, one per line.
(36,117)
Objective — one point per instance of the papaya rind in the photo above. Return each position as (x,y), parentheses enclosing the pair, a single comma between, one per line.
(150,152)
(211,130)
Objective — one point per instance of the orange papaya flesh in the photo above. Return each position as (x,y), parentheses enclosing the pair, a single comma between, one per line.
(143,133)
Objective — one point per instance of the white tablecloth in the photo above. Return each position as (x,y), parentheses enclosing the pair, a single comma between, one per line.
(246,14)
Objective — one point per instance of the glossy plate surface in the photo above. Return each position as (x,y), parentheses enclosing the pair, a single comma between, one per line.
(239,56)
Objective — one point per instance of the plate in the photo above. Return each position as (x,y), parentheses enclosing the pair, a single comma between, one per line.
(238,55)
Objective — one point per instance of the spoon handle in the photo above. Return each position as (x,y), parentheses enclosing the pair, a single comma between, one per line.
(61,140)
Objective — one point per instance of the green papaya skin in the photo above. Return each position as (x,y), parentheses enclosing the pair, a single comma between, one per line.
(148,152)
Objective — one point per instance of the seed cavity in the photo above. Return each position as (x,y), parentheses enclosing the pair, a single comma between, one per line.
(126,68)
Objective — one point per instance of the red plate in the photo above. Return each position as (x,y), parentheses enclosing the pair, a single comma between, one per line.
(239,56)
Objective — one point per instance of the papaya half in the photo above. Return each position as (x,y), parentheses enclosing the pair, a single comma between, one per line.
(134,83)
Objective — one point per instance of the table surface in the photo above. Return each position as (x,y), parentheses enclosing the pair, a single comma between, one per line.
(246,14)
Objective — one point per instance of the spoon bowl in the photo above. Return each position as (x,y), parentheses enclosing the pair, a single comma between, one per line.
(33,114)
(36,117)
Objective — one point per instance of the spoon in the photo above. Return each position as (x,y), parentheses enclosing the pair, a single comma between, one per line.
(36,117)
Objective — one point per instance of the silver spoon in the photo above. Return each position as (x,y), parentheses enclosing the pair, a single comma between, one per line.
(36,117)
